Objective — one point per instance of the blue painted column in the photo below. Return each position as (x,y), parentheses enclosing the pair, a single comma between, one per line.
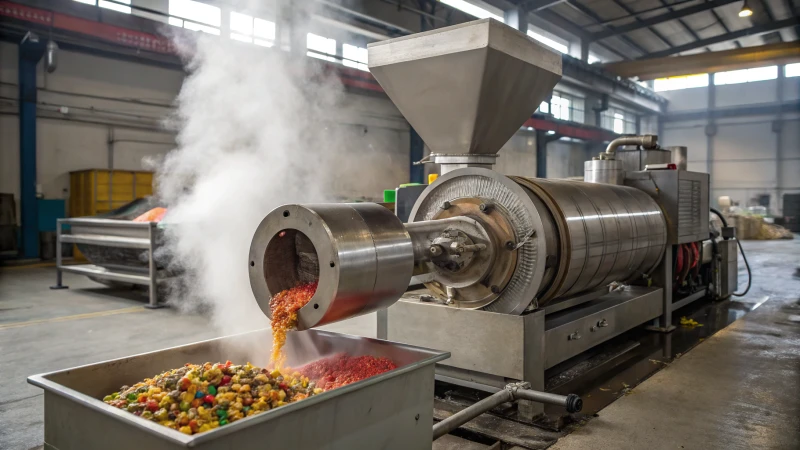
(416,153)
(30,52)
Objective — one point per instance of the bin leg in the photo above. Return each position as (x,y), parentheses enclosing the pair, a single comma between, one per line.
(59,274)
(153,286)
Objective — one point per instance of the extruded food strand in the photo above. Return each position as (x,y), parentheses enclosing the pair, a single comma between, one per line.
(284,306)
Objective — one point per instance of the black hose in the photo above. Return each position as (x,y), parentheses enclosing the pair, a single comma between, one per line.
(721,217)
(749,274)
(746,264)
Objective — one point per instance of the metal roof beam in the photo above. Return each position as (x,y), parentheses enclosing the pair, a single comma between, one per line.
(689,29)
(587,11)
(538,5)
(777,25)
(559,21)
(707,62)
(652,30)
(645,23)
(770,16)
(724,26)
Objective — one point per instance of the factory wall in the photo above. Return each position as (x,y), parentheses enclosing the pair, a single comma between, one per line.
(113,118)
(94,113)
(747,152)
(564,158)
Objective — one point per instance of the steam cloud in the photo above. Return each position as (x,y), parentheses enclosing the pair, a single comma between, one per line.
(252,135)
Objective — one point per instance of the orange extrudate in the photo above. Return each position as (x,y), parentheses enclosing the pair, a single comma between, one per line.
(284,306)
(342,369)
(154,215)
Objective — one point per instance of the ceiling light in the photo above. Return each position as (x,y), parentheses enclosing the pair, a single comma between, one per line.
(745,11)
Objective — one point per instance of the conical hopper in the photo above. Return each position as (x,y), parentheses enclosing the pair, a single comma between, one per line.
(468,88)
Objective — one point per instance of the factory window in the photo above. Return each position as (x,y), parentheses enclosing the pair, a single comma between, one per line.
(792,70)
(549,42)
(746,75)
(544,108)
(472,10)
(321,47)
(355,57)
(619,123)
(195,16)
(560,107)
(618,120)
(116,5)
(563,106)
(254,30)
(682,82)
(241,27)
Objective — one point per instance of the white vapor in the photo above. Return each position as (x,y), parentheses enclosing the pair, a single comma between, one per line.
(251,136)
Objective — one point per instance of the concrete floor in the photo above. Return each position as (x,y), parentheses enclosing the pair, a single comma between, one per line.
(737,389)
(42,330)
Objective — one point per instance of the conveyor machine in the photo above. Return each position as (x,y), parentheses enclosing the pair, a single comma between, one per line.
(524,273)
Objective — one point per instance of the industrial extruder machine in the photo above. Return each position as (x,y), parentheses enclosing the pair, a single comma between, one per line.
(523,273)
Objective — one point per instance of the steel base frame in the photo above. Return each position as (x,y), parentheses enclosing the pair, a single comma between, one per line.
(490,350)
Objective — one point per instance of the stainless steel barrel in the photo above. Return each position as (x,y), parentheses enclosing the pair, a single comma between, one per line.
(606,171)
(606,233)
(360,253)
(563,237)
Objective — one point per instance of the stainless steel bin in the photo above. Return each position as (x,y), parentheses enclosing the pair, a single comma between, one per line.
(393,410)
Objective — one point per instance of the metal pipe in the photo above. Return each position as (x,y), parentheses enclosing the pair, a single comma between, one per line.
(51,59)
(572,402)
(648,141)
(422,233)
(512,392)
(465,415)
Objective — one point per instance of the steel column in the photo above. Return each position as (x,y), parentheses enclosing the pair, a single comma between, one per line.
(585,50)
(517,17)
(777,127)
(711,131)
(416,172)
(541,154)
(30,52)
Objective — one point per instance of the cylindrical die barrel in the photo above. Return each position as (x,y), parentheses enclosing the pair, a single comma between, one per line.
(361,253)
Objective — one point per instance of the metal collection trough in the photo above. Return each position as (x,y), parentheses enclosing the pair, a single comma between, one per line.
(393,410)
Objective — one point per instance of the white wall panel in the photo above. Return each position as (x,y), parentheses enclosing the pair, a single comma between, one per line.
(686,99)
(565,159)
(8,63)
(9,155)
(791,89)
(744,141)
(82,73)
(746,93)
(693,137)
(518,155)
